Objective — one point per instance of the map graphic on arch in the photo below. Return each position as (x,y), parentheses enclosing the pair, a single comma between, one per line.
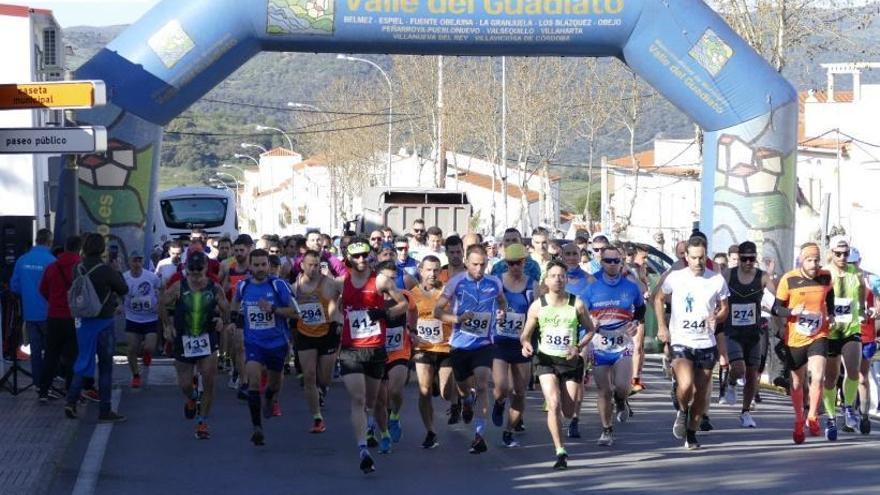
(287,17)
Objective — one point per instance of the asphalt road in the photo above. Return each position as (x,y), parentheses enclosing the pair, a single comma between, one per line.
(155,452)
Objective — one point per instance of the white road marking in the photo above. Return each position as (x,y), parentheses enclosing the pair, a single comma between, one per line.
(90,469)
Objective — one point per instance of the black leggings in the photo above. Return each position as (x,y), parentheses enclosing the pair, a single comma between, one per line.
(61,350)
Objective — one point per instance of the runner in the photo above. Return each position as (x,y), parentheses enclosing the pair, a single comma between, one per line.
(577,282)
(617,307)
(477,302)
(454,249)
(264,303)
(744,327)
(432,349)
(363,354)
(232,272)
(532,268)
(316,336)
(698,301)
(141,316)
(805,297)
(398,346)
(844,338)
(510,369)
(639,269)
(193,327)
(557,316)
(869,347)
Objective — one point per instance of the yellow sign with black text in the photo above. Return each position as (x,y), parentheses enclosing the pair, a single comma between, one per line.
(61,94)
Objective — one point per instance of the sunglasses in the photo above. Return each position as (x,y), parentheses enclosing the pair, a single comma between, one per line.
(841,254)
(611,261)
(360,255)
(516,262)
(418,231)
(375,238)
(401,248)
(748,259)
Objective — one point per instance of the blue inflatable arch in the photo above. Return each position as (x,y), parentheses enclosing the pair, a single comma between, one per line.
(178,51)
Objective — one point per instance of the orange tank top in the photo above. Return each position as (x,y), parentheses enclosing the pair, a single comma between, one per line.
(434,333)
(314,320)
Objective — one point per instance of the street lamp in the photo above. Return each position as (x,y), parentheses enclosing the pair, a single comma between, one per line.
(265,128)
(240,156)
(390,103)
(240,170)
(251,145)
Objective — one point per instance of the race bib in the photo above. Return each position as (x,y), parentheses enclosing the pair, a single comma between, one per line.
(743,315)
(512,326)
(361,325)
(430,331)
(394,339)
(142,304)
(196,347)
(478,325)
(696,327)
(312,313)
(259,319)
(556,341)
(808,324)
(842,307)
(611,342)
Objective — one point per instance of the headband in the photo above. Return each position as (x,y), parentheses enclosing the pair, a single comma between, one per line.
(358,248)
(809,251)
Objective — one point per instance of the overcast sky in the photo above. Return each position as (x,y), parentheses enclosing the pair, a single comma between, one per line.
(70,13)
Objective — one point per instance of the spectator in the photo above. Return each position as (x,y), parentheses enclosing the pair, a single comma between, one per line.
(96,335)
(25,283)
(404,262)
(420,236)
(387,234)
(733,256)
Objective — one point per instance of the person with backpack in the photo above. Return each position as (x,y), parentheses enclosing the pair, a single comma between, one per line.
(93,305)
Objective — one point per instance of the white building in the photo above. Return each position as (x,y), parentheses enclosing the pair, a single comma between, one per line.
(314,198)
(666,192)
(32,51)
(267,198)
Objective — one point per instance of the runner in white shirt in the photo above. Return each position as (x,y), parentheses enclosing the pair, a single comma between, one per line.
(167,267)
(141,314)
(698,301)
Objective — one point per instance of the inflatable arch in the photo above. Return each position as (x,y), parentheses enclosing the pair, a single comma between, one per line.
(178,51)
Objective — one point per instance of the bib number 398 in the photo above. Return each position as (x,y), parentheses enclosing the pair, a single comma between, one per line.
(195,347)
(478,325)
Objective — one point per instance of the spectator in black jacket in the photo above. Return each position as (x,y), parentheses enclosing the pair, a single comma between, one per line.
(96,335)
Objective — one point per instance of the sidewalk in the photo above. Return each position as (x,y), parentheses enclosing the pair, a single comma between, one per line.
(33,439)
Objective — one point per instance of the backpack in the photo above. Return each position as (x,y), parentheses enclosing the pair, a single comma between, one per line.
(82,297)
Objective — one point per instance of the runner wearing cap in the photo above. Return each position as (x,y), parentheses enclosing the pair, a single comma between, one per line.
(869,347)
(388,252)
(532,268)
(198,311)
(805,298)
(141,314)
(510,369)
(362,357)
(844,338)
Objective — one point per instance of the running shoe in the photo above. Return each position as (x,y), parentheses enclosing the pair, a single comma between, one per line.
(478,446)
(705,424)
(498,413)
(54,394)
(276,409)
(729,396)
(851,419)
(111,417)
(865,425)
(746,420)
(371,439)
(520,427)
(831,429)
(44,399)
(385,445)
(691,442)
(189,409)
(508,440)
(679,428)
(623,411)
(813,426)
(606,439)
(136,381)
(202,432)
(573,430)
(148,358)
(367,464)
(798,434)
(257,437)
(318,426)
(454,414)
(430,441)
(233,382)
(70,411)
(561,462)
(90,395)
(395,429)
(637,386)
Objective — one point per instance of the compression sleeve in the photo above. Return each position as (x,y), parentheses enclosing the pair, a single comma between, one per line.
(639,313)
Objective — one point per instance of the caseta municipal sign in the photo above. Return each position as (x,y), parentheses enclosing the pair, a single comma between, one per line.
(60,94)
(53,140)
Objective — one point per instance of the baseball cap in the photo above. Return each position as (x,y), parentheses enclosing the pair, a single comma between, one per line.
(358,248)
(838,241)
(515,252)
(854,256)
(196,261)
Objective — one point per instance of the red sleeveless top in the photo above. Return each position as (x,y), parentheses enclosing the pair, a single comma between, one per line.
(359,330)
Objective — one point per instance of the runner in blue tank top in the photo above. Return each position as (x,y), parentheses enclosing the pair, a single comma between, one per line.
(509,360)
(265,304)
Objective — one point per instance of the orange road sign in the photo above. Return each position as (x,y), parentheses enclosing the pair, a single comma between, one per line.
(60,94)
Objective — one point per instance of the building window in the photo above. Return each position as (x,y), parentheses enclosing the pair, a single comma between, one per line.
(50,47)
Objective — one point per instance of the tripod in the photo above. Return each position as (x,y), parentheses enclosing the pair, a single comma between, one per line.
(9,381)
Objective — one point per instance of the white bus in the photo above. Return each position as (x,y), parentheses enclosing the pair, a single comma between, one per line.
(180,210)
